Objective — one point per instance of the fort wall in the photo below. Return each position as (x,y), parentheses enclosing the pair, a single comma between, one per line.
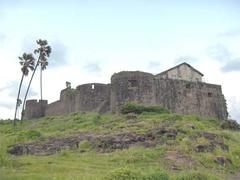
(187,97)
(35,108)
(134,86)
(180,96)
(93,97)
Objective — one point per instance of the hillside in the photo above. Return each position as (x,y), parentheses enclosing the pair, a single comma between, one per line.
(146,145)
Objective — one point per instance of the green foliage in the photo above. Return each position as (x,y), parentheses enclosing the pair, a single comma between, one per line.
(196,176)
(138,109)
(30,134)
(85,144)
(123,174)
(158,175)
(141,160)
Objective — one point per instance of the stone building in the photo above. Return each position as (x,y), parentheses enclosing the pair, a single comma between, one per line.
(179,89)
(182,71)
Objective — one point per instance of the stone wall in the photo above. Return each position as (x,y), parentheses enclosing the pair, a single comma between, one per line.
(187,97)
(93,97)
(180,96)
(55,108)
(35,109)
(86,97)
(65,105)
(131,86)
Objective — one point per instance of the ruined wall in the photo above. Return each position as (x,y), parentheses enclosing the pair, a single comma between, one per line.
(131,86)
(65,105)
(35,109)
(86,97)
(93,97)
(55,108)
(187,97)
(180,96)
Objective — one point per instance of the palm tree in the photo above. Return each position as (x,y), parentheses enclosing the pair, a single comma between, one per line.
(27,62)
(44,52)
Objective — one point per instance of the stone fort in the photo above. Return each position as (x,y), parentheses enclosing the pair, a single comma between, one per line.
(179,89)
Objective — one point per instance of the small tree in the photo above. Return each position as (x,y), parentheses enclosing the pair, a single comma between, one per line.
(27,62)
(44,51)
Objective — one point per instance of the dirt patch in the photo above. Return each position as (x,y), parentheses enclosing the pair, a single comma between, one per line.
(178,160)
(100,142)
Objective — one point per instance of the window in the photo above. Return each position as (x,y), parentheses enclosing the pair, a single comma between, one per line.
(209,94)
(188,86)
(132,83)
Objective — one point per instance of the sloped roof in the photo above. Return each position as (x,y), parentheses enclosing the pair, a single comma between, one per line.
(184,63)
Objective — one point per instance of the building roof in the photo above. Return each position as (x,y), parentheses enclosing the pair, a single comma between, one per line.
(184,63)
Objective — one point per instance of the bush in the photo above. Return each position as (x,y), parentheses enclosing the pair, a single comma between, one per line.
(138,109)
(123,174)
(157,176)
(230,124)
(85,144)
(196,176)
(31,134)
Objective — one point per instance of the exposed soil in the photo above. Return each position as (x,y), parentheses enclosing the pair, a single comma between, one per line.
(179,159)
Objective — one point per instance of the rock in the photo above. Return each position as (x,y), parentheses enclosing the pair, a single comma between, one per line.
(204,148)
(175,168)
(102,142)
(230,124)
(224,147)
(131,116)
(171,135)
(222,160)
(209,136)
(200,148)
(17,149)
(191,126)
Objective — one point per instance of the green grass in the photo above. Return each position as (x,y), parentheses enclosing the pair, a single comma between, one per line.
(137,162)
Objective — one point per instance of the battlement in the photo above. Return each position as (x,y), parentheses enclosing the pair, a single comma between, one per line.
(186,95)
(35,108)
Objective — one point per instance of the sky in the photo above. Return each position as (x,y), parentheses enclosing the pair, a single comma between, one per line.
(93,39)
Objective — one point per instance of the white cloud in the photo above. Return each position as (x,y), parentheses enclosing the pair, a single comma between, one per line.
(233,65)
(230,33)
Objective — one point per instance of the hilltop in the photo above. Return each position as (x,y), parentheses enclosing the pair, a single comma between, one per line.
(139,143)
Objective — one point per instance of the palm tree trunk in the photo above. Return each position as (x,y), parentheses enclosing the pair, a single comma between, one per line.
(41,81)
(25,97)
(19,90)
(41,89)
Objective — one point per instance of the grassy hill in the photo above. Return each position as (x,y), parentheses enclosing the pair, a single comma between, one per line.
(142,145)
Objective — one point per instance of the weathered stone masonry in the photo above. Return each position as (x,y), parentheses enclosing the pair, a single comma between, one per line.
(180,96)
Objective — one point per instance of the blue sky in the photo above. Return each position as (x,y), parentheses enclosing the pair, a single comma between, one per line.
(93,39)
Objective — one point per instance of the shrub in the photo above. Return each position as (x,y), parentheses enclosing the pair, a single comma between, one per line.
(230,124)
(196,176)
(31,134)
(96,119)
(123,174)
(85,144)
(157,176)
(138,109)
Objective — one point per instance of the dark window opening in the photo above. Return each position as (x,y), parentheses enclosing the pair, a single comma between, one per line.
(209,94)
(188,86)
(132,83)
